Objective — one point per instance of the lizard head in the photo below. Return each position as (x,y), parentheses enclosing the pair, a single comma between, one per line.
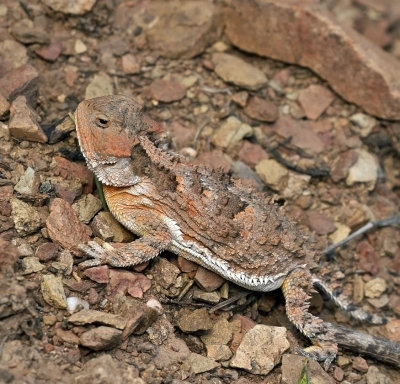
(108,127)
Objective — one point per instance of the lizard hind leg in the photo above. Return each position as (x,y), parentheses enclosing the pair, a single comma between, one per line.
(126,254)
(297,289)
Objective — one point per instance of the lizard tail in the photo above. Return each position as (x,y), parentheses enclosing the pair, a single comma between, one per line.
(343,303)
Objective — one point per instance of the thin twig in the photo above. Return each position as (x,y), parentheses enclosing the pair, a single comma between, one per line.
(229,301)
(215,90)
(365,344)
(391,221)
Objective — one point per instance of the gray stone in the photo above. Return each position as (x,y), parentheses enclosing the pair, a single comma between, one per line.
(31,265)
(293,365)
(102,370)
(53,291)
(105,226)
(77,7)
(64,263)
(28,184)
(375,287)
(101,338)
(374,376)
(261,349)
(272,173)
(231,132)
(193,321)
(208,297)
(165,273)
(221,333)
(234,70)
(24,122)
(26,218)
(219,352)
(86,207)
(27,32)
(198,363)
(90,316)
(362,123)
(100,85)
(365,170)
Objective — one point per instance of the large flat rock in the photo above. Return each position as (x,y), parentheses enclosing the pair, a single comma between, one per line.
(303,33)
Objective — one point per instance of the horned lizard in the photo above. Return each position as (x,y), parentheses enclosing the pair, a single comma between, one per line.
(201,214)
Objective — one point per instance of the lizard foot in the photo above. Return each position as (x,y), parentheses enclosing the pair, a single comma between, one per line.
(326,354)
(126,254)
(101,254)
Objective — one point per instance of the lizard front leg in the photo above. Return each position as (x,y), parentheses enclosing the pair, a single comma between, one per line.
(297,289)
(125,255)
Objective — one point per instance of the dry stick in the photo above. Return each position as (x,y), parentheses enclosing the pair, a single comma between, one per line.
(365,344)
(391,221)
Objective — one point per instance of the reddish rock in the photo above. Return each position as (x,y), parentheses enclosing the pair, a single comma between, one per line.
(5,195)
(12,53)
(251,154)
(22,80)
(27,32)
(98,274)
(130,64)
(65,228)
(79,7)
(183,29)
(123,282)
(381,6)
(320,223)
(282,77)
(343,163)
(92,296)
(182,133)
(309,36)
(8,255)
(24,122)
(67,336)
(360,364)
(368,258)
(141,267)
(244,325)
(393,330)
(207,280)
(50,52)
(315,100)
(186,265)
(64,193)
(302,136)
(262,110)
(338,374)
(71,75)
(214,159)
(375,31)
(68,170)
(166,91)
(4,106)
(46,252)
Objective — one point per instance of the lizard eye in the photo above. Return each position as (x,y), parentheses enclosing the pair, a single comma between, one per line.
(102,121)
